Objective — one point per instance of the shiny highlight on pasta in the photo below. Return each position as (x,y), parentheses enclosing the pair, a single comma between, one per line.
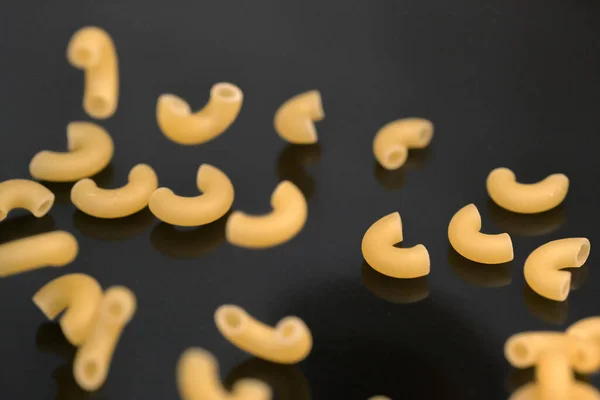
(393,140)
(23,193)
(294,120)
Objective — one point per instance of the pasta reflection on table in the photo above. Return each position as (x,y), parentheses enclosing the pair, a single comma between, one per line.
(397,291)
(24,226)
(484,275)
(550,311)
(526,224)
(62,190)
(394,179)
(112,229)
(292,163)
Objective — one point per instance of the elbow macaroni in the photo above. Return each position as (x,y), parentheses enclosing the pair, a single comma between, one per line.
(587,328)
(554,376)
(579,391)
(294,120)
(393,140)
(22,193)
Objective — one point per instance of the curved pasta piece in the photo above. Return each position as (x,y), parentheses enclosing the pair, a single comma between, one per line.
(379,251)
(543,266)
(215,201)
(393,140)
(53,249)
(526,198)
(289,342)
(93,50)
(465,237)
(90,151)
(116,203)
(579,391)
(79,295)
(93,358)
(554,376)
(587,328)
(178,123)
(283,223)
(23,193)
(294,120)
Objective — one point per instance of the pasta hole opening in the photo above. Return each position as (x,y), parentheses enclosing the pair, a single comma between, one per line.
(520,351)
(98,104)
(395,158)
(82,56)
(226,91)
(90,370)
(177,105)
(583,253)
(288,331)
(42,209)
(115,310)
(233,320)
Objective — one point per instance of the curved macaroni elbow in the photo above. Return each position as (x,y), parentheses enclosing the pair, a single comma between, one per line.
(116,203)
(178,123)
(93,50)
(283,223)
(528,198)
(90,150)
(554,375)
(289,342)
(23,193)
(393,140)
(543,266)
(587,328)
(294,120)
(215,201)
(465,237)
(579,391)
(379,251)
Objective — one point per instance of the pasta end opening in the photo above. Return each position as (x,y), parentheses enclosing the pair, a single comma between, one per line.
(42,209)
(583,253)
(520,351)
(175,104)
(82,57)
(115,310)
(226,92)
(90,370)
(233,320)
(99,105)
(395,158)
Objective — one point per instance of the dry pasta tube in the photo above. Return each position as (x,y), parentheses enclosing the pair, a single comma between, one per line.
(393,140)
(93,50)
(178,123)
(79,295)
(294,120)
(543,266)
(379,251)
(215,201)
(93,358)
(283,223)
(53,249)
(554,376)
(579,391)
(116,203)
(289,342)
(465,237)
(531,198)
(90,151)
(23,193)
(587,328)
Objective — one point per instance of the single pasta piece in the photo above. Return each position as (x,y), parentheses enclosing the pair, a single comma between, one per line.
(554,376)
(587,328)
(79,295)
(379,251)
(289,342)
(465,237)
(93,50)
(90,151)
(23,193)
(93,358)
(579,391)
(294,120)
(116,203)
(198,379)
(53,249)
(215,201)
(178,123)
(543,266)
(393,140)
(526,198)
(283,223)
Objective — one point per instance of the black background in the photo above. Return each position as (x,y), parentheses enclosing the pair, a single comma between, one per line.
(512,83)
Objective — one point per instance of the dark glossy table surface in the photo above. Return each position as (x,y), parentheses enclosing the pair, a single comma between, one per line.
(512,83)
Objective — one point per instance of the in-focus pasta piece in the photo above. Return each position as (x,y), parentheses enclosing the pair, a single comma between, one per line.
(379,251)
(79,295)
(587,328)
(465,237)
(90,151)
(283,223)
(526,198)
(554,376)
(178,123)
(93,50)
(579,391)
(543,266)
(215,201)
(53,249)
(116,203)
(295,119)
(393,140)
(23,193)
(289,342)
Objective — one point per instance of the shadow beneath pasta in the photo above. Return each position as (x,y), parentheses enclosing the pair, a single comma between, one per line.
(546,310)
(62,190)
(394,179)
(526,224)
(578,276)
(292,163)
(397,291)
(112,229)
(24,226)
(483,275)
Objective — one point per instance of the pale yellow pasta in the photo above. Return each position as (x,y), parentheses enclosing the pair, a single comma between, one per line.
(543,266)
(526,198)
(93,50)
(587,328)
(579,391)
(295,119)
(90,151)
(289,342)
(79,295)
(178,123)
(53,249)
(465,237)
(554,375)
(283,223)
(393,140)
(23,193)
(116,203)
(215,201)
(93,358)
(379,251)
